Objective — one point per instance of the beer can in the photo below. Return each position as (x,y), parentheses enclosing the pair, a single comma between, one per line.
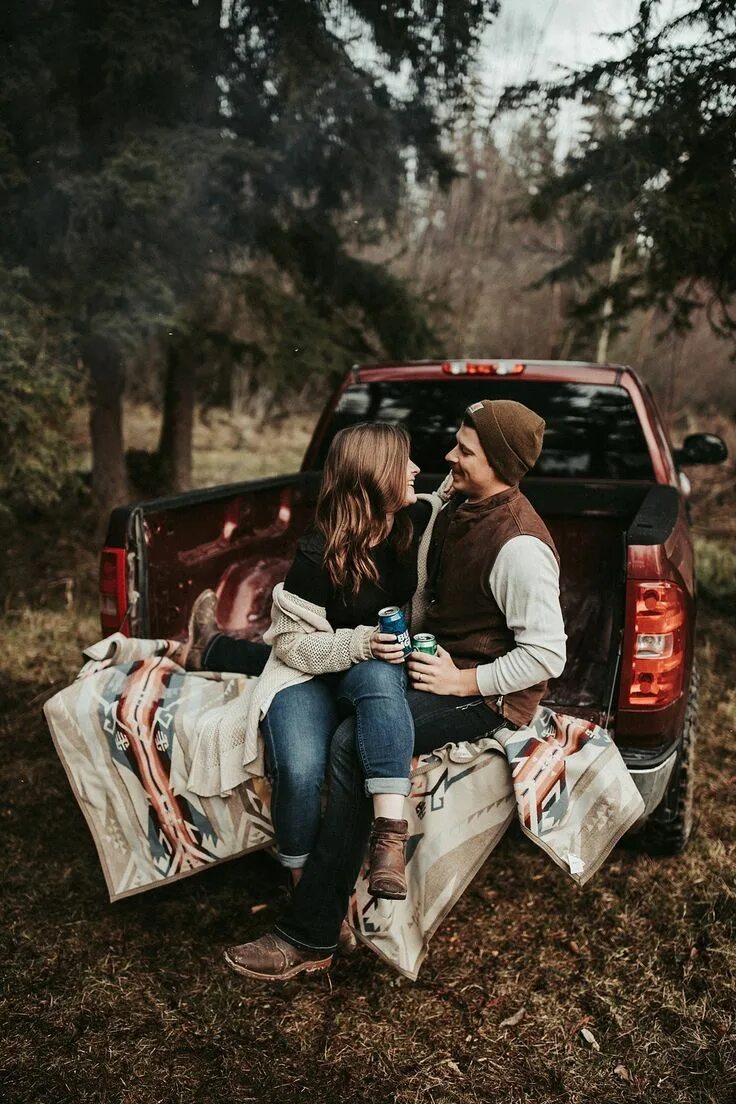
(391,620)
(424,642)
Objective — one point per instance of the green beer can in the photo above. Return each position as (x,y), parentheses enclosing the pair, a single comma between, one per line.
(424,642)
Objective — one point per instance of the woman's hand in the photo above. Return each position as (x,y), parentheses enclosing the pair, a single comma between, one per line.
(446,488)
(385,646)
(437,674)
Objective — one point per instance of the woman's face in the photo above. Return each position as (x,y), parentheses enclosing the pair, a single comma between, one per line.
(412,471)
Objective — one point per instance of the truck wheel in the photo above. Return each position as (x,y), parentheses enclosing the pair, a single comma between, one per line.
(667,830)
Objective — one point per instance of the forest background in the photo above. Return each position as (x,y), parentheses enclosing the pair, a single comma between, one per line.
(209,210)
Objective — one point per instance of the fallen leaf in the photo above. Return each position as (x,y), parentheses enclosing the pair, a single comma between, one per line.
(589,1038)
(694,952)
(488,895)
(622,1072)
(453,1066)
(515,1020)
(574,947)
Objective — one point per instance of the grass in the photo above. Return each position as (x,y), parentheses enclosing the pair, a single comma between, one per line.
(716,566)
(227,447)
(131,1002)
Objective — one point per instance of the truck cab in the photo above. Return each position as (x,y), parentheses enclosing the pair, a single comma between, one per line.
(608,485)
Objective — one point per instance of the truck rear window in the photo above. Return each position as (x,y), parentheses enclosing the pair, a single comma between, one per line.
(592,431)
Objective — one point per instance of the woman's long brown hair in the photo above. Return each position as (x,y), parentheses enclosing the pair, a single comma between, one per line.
(363,482)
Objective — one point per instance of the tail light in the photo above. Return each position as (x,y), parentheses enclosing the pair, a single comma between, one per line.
(482,368)
(654,656)
(113,592)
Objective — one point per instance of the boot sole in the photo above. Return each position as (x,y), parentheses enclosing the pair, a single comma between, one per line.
(313,967)
(386,895)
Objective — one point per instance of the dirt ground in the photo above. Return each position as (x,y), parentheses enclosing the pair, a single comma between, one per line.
(131,1003)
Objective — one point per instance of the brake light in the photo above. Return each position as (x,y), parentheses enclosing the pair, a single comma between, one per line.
(482,368)
(653,668)
(113,592)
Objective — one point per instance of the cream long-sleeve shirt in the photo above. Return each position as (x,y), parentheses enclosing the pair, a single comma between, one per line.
(525,581)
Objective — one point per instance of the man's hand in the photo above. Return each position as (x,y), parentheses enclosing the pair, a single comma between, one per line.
(437,674)
(385,646)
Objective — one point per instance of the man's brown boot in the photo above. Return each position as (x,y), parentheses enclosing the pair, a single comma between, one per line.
(202,627)
(271,958)
(387,877)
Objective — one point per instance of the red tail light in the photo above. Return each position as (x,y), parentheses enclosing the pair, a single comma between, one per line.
(482,368)
(654,655)
(113,592)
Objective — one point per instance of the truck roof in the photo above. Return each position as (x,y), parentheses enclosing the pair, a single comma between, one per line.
(562,370)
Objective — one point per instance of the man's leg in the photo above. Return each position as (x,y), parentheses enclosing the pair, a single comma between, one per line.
(227,653)
(321,899)
(322,896)
(441,719)
(307,935)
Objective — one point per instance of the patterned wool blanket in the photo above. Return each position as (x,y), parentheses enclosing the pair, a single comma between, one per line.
(127,728)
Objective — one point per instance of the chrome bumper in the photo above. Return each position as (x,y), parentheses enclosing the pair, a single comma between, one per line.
(651,773)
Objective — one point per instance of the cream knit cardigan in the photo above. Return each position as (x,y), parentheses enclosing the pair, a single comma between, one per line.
(303,644)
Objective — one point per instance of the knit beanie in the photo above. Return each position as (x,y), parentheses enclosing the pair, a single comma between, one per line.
(511,436)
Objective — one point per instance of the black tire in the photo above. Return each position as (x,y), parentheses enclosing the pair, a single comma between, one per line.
(668,829)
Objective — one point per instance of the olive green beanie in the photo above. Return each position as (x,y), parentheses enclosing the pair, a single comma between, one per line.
(511,436)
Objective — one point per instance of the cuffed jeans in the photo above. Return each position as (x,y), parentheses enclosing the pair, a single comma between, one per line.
(320,900)
(298,730)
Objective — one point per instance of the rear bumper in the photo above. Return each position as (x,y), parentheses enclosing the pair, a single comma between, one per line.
(651,770)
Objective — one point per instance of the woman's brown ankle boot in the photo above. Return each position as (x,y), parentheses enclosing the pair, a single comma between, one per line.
(387,874)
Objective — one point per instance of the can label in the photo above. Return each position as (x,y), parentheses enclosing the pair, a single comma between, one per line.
(424,642)
(391,620)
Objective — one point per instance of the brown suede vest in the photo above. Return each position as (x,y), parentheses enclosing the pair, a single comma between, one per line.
(464,615)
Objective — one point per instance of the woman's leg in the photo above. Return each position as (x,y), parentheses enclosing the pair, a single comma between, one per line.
(384,727)
(298,730)
(384,740)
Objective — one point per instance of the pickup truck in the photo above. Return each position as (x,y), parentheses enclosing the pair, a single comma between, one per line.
(608,484)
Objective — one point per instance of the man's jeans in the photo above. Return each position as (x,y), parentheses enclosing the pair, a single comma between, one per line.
(298,731)
(227,653)
(321,898)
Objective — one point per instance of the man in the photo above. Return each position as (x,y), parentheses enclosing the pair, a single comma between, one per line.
(495,611)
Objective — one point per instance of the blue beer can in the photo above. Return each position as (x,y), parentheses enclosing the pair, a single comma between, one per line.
(391,620)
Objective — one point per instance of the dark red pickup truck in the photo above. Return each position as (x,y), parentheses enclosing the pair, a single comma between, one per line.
(608,485)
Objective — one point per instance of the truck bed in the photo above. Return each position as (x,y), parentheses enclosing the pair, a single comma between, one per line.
(240,540)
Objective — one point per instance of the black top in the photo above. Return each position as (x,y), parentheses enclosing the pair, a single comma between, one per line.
(397,576)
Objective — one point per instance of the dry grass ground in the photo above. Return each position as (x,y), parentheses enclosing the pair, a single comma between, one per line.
(226,447)
(131,1002)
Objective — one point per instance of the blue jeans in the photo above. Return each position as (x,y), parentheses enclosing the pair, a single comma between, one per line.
(320,900)
(298,730)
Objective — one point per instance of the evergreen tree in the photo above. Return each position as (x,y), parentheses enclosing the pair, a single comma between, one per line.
(146,146)
(650,192)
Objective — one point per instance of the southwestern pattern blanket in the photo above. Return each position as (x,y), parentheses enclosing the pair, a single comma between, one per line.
(127,729)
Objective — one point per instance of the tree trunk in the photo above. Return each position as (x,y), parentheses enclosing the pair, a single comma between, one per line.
(175,442)
(604,337)
(106,378)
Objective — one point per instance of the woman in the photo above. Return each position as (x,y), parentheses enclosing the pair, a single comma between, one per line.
(360,555)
